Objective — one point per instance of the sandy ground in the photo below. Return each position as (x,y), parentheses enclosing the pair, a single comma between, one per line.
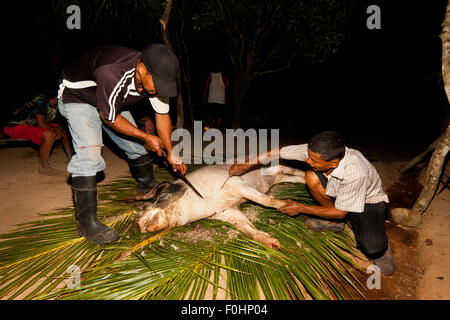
(24,193)
(422,255)
(434,248)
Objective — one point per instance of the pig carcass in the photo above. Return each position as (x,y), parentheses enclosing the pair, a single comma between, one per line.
(171,205)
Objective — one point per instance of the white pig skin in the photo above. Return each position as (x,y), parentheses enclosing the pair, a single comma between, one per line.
(220,203)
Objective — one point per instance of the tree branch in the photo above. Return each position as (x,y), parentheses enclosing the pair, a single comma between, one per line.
(164,22)
(260,73)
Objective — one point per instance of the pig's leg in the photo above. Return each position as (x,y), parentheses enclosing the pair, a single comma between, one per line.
(243,189)
(238,219)
(272,170)
(291,171)
(287,174)
(287,178)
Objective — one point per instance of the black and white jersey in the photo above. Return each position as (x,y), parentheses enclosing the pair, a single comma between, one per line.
(105,77)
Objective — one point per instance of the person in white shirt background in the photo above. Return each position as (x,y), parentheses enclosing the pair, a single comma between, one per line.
(216,96)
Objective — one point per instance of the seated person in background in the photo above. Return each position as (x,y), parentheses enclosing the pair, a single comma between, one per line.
(32,122)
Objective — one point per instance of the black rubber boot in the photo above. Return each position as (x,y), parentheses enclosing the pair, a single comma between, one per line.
(142,171)
(324,225)
(85,199)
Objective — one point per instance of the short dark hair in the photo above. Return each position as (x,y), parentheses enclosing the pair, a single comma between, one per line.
(328,144)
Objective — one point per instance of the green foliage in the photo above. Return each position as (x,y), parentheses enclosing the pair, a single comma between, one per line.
(202,260)
(327,22)
(313,28)
(275,31)
(262,36)
(116,21)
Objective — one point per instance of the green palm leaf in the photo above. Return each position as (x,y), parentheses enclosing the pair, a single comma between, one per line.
(207,259)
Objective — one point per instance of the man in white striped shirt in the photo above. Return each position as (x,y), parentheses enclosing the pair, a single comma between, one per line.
(94,93)
(346,185)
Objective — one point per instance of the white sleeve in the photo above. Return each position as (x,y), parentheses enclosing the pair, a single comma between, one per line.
(296,152)
(160,104)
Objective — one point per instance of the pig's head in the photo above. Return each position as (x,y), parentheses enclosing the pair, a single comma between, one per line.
(157,212)
(153,219)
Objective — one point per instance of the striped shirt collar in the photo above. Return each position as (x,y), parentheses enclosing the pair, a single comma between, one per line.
(339,172)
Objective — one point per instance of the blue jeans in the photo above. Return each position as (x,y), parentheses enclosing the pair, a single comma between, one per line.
(85,127)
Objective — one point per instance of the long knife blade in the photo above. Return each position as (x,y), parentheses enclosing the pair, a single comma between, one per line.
(183,177)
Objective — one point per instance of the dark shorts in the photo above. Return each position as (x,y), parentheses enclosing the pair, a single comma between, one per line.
(216,110)
(368,226)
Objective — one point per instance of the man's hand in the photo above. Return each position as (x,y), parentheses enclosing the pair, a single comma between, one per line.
(154,143)
(176,163)
(239,169)
(291,207)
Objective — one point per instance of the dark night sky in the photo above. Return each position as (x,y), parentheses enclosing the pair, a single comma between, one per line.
(375,88)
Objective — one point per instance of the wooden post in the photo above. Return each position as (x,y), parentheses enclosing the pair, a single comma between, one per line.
(412,217)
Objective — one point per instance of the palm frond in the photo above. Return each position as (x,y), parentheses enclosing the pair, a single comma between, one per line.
(207,259)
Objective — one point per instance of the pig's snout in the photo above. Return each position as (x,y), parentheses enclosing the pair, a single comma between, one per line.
(152,220)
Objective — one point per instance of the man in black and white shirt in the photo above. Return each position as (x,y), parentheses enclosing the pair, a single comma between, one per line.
(346,185)
(94,93)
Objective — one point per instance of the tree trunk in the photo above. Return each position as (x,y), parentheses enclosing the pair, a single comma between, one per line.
(241,85)
(411,217)
(433,174)
(445,36)
(165,35)
(434,168)
(239,93)
(185,69)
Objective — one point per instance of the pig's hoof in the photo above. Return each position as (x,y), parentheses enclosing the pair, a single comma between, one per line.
(274,244)
(271,242)
(267,240)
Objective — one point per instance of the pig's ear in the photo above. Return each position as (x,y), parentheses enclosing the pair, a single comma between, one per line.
(148,195)
(154,191)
